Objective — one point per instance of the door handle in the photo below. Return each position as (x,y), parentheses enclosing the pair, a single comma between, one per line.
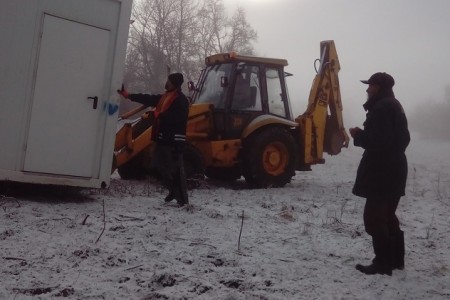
(94,105)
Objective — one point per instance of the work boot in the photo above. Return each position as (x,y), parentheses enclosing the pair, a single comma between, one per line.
(398,250)
(382,263)
(375,268)
(181,197)
(181,203)
(169,197)
(173,190)
(180,186)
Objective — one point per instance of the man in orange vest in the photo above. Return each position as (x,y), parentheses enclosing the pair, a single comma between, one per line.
(169,133)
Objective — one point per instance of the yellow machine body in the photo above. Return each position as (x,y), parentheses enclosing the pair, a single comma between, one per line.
(265,147)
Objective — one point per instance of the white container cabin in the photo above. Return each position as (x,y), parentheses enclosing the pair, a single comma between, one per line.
(61,62)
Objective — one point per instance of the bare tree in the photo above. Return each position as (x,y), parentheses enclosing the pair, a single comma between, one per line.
(183,48)
(176,35)
(149,33)
(241,34)
(212,27)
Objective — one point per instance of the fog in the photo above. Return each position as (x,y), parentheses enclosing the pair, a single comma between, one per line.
(410,39)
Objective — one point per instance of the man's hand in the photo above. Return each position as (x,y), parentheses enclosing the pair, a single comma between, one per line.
(355,131)
(123,92)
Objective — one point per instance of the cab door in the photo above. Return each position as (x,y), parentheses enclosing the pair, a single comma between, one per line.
(245,103)
(277,97)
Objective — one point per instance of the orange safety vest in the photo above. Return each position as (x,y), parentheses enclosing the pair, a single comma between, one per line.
(164,103)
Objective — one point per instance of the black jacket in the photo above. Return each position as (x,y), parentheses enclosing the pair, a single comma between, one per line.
(383,169)
(170,125)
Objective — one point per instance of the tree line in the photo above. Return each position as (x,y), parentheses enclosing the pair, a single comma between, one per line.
(168,36)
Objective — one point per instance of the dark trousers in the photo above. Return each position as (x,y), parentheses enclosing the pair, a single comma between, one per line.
(383,225)
(379,216)
(169,164)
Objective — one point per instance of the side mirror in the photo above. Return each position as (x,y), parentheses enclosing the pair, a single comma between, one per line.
(191,86)
(240,67)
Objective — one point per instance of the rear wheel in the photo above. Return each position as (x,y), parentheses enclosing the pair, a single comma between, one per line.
(193,164)
(270,157)
(225,174)
(132,169)
(141,165)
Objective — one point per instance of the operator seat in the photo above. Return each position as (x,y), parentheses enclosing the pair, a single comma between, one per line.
(244,94)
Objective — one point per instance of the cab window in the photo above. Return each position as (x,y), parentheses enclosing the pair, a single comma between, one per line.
(275,99)
(247,91)
(214,90)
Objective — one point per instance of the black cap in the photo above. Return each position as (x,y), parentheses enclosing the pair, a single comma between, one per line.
(382,79)
(176,79)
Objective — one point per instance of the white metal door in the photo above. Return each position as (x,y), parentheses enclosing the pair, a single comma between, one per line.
(66,131)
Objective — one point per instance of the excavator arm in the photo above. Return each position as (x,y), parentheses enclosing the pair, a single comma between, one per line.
(321,125)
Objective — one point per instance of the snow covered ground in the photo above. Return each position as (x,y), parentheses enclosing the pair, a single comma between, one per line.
(297,242)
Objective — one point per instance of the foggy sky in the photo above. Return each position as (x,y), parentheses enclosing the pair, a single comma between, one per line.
(410,39)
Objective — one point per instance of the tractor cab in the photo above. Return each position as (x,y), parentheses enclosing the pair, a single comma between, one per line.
(242,88)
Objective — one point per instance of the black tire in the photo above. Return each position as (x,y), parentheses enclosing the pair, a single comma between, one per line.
(194,169)
(194,166)
(133,169)
(224,174)
(270,158)
(138,166)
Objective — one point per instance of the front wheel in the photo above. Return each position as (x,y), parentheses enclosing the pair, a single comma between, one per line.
(194,165)
(270,158)
(132,169)
(223,173)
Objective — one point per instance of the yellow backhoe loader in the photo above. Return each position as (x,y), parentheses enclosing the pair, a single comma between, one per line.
(241,124)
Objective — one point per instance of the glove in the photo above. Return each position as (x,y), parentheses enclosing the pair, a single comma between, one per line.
(123,92)
(355,131)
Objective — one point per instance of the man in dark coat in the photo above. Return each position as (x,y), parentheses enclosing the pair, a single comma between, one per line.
(169,133)
(382,172)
